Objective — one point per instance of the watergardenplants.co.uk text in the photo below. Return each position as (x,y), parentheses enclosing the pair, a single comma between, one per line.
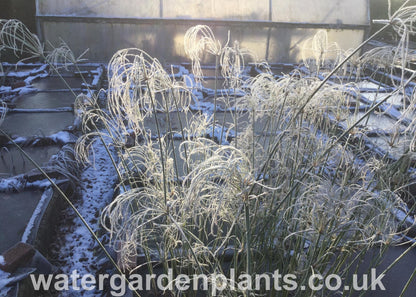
(201,282)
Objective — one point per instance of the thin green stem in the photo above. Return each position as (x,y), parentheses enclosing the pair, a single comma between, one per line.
(217,57)
(248,240)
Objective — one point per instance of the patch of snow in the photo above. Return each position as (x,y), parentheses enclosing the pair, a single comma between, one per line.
(18,74)
(182,71)
(5,291)
(367,85)
(43,200)
(97,77)
(39,184)
(4,280)
(20,140)
(2,261)
(4,89)
(23,74)
(63,137)
(12,183)
(86,86)
(30,79)
(19,183)
(402,216)
(190,82)
(26,90)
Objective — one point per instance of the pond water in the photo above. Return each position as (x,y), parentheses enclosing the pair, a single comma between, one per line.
(15,211)
(56,83)
(44,100)
(40,124)
(210,83)
(16,208)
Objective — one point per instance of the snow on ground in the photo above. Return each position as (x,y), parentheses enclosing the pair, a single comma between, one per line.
(2,262)
(24,74)
(76,245)
(12,183)
(4,89)
(41,205)
(63,137)
(97,77)
(19,183)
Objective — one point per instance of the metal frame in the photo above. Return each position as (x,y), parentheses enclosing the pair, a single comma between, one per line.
(214,22)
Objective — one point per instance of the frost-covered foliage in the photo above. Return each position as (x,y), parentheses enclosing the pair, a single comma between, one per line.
(284,181)
(273,181)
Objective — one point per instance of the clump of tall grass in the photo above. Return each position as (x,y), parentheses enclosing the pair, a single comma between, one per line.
(15,36)
(285,193)
(318,53)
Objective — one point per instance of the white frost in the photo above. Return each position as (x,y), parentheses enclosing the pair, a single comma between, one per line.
(4,280)
(4,89)
(36,213)
(403,217)
(63,137)
(12,183)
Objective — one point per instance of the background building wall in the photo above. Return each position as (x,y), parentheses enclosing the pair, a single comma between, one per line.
(275,30)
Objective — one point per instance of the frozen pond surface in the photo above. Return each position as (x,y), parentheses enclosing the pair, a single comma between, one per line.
(367,85)
(374,121)
(44,100)
(396,147)
(15,211)
(56,83)
(394,99)
(40,124)
(210,83)
(29,119)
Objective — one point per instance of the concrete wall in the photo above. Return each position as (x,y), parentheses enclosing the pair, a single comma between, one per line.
(272,29)
(103,8)
(321,11)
